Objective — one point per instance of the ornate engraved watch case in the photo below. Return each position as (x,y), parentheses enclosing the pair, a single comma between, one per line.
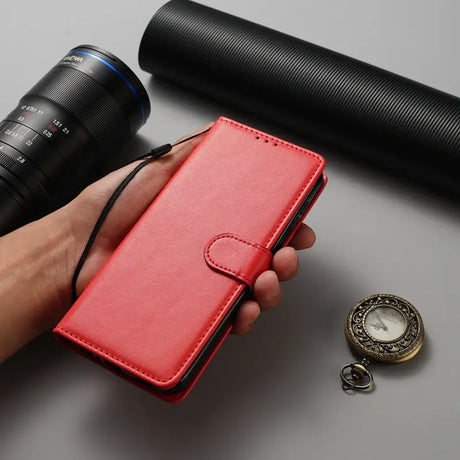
(383,328)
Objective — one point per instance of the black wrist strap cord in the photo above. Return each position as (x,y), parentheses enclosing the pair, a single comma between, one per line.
(152,155)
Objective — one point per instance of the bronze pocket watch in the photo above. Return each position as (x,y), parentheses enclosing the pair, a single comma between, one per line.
(380,328)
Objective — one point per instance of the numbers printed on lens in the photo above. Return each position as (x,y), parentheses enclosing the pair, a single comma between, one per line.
(63,131)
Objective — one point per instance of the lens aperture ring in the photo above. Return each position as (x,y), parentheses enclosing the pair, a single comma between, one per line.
(89,102)
(33,146)
(30,182)
(55,125)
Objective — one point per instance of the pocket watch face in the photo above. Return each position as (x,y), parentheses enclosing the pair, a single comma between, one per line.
(384,327)
(385,324)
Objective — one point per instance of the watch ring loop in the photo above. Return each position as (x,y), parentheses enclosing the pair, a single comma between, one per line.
(357,372)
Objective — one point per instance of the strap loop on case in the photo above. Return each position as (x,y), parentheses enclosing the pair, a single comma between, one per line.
(235,256)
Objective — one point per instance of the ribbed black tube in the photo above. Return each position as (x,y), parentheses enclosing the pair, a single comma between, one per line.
(385,118)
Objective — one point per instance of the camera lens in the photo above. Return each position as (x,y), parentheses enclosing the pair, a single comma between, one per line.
(63,130)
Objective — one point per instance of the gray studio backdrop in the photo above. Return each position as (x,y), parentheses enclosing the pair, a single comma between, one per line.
(273,394)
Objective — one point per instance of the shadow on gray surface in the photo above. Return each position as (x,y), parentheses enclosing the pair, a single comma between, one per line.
(395,371)
(18,373)
(401,371)
(250,378)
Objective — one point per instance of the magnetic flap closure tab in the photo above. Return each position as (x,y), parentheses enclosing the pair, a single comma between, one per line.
(237,257)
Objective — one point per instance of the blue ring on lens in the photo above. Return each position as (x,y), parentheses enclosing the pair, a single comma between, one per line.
(130,86)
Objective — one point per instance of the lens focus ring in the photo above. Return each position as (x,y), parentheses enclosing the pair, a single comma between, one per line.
(88,101)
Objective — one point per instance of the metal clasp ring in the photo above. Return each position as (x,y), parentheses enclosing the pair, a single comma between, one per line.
(354,373)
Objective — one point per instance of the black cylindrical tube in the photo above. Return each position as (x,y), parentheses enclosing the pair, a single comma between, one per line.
(385,118)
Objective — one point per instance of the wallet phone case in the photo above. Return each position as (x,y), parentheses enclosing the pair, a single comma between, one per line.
(150,311)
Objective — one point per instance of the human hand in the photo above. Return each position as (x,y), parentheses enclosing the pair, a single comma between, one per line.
(38,260)
(83,212)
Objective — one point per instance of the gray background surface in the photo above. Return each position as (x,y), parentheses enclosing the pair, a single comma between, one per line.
(273,394)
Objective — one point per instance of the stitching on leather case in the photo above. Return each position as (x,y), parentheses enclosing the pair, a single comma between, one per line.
(200,340)
(237,238)
(292,147)
(273,138)
(146,374)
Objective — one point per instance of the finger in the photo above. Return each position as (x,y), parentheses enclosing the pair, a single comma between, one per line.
(267,290)
(163,169)
(303,238)
(204,128)
(285,263)
(245,318)
(169,163)
(149,182)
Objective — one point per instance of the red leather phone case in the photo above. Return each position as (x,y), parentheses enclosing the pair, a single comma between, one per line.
(156,303)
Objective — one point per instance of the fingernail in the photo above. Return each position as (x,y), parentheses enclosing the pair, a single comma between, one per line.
(274,294)
(253,320)
(292,273)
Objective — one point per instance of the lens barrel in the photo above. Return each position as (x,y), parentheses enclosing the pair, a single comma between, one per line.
(57,139)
